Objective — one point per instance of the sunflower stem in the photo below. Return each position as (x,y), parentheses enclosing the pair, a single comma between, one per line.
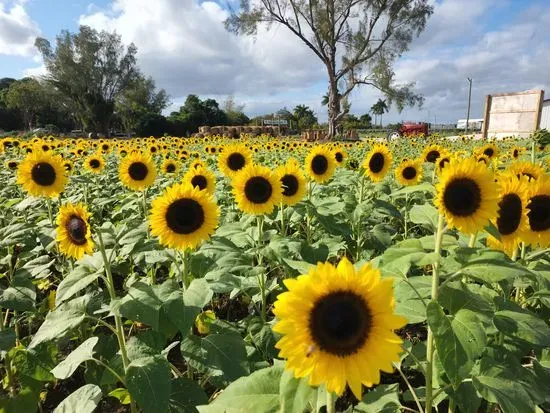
(184,268)
(411,388)
(118,321)
(472,241)
(434,295)
(261,277)
(405,215)
(144,205)
(283,227)
(331,402)
(50,214)
(533,150)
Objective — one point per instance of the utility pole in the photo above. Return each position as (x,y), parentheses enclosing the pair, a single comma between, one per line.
(469,101)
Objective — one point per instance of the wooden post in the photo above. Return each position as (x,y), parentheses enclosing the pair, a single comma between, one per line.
(486,116)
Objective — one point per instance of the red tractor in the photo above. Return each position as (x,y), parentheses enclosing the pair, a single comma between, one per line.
(408,129)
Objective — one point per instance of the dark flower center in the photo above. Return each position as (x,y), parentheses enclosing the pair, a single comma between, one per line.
(339,156)
(509,215)
(527,174)
(105,146)
(94,163)
(170,168)
(516,153)
(319,164)
(462,197)
(409,172)
(489,152)
(235,161)
(68,167)
(138,171)
(290,185)
(340,323)
(76,227)
(432,156)
(184,216)
(539,213)
(258,190)
(43,174)
(443,162)
(376,163)
(199,181)
(45,148)
(12,164)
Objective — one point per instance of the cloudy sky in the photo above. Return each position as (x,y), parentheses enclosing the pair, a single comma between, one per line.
(504,45)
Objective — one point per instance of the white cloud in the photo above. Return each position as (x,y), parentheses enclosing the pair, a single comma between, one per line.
(35,71)
(17,30)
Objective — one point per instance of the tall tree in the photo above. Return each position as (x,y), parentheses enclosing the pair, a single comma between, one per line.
(367,36)
(28,97)
(234,112)
(139,99)
(378,109)
(10,119)
(91,68)
(196,112)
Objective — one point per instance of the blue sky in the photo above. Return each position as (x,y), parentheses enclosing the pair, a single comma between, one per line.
(503,44)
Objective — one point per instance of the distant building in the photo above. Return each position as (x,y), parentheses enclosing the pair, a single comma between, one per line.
(545,115)
(473,124)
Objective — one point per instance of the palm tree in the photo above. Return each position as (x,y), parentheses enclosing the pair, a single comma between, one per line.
(379,108)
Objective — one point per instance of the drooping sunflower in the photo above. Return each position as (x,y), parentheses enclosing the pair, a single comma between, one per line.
(257,189)
(443,162)
(137,171)
(337,325)
(432,153)
(42,174)
(409,172)
(293,182)
(467,195)
(378,162)
(511,221)
(234,158)
(527,169)
(94,163)
(169,166)
(183,217)
(73,233)
(538,213)
(201,178)
(320,164)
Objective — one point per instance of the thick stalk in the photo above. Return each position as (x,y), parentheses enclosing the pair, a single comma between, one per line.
(261,277)
(283,227)
(331,402)
(184,268)
(118,321)
(50,214)
(472,242)
(434,295)
(533,150)
(405,215)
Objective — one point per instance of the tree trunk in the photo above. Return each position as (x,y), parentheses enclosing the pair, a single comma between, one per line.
(333,108)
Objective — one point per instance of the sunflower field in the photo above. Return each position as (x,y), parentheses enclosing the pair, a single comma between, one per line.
(274,275)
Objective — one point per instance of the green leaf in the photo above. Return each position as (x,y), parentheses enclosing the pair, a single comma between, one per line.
(35,363)
(7,340)
(186,394)
(398,260)
(122,394)
(25,401)
(295,394)
(383,399)
(455,296)
(83,400)
(459,340)
(82,353)
(148,380)
(425,215)
(140,304)
(410,297)
(466,398)
(20,295)
(59,322)
(523,325)
(76,281)
(226,353)
(259,392)
(511,396)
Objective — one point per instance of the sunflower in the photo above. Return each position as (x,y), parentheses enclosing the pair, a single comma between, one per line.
(137,171)
(94,163)
(443,162)
(512,213)
(490,150)
(293,182)
(11,164)
(320,164)
(337,325)
(432,153)
(233,158)
(201,178)
(257,190)
(378,162)
(68,165)
(183,216)
(527,169)
(467,195)
(42,174)
(409,172)
(516,151)
(169,166)
(340,156)
(73,231)
(538,213)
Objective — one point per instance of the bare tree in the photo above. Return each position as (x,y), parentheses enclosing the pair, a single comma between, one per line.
(357,40)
